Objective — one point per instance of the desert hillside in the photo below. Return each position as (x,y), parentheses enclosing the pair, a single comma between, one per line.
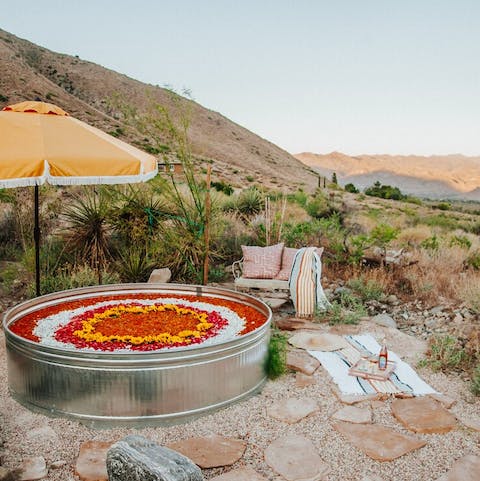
(85,90)
(439,176)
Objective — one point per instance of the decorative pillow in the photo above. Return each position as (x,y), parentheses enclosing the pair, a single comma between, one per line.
(287,263)
(262,262)
(288,257)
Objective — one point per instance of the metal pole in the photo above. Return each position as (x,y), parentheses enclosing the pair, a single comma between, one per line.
(36,236)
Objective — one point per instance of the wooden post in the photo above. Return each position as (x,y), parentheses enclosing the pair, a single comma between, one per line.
(207,226)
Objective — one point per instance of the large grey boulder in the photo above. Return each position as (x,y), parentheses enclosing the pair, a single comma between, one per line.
(136,458)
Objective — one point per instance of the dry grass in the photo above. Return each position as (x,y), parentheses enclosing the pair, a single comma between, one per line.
(436,273)
(468,290)
(413,236)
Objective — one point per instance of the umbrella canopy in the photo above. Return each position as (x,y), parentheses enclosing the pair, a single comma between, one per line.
(40,142)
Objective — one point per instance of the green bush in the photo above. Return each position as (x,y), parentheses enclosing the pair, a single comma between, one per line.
(445,354)
(276,364)
(473,260)
(431,243)
(367,290)
(443,206)
(134,264)
(461,241)
(475,385)
(384,191)
(351,188)
(250,202)
(221,186)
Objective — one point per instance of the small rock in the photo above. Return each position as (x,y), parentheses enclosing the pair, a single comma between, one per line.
(302,380)
(378,442)
(318,342)
(302,362)
(43,434)
(160,276)
(392,299)
(342,291)
(211,451)
(136,458)
(33,468)
(295,458)
(371,478)
(436,310)
(91,462)
(458,319)
(423,415)
(354,415)
(241,474)
(384,320)
(57,464)
(293,409)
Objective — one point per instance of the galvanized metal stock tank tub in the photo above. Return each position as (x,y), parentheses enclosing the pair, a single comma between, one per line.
(105,389)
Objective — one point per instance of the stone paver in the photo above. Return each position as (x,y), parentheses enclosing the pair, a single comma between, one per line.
(423,415)
(351,399)
(302,380)
(353,414)
(33,468)
(293,409)
(241,474)
(465,469)
(378,442)
(211,451)
(314,341)
(293,324)
(302,362)
(295,458)
(92,461)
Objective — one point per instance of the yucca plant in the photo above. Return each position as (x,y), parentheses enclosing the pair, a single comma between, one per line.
(134,264)
(88,231)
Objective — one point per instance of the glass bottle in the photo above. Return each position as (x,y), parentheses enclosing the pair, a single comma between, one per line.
(383,357)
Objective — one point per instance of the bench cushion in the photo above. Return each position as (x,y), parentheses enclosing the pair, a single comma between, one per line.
(287,262)
(262,262)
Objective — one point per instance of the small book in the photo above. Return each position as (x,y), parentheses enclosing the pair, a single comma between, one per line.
(368,369)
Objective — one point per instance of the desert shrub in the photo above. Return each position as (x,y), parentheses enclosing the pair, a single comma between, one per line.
(440,220)
(351,188)
(445,354)
(318,207)
(432,243)
(413,236)
(134,264)
(468,290)
(301,234)
(367,289)
(461,241)
(250,178)
(276,364)
(443,206)
(300,197)
(475,385)
(473,260)
(222,186)
(250,202)
(413,200)
(384,191)
(70,277)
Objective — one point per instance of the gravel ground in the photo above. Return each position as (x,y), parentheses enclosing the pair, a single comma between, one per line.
(25,434)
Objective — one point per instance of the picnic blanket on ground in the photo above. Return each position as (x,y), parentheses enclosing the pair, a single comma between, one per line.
(305,283)
(404,380)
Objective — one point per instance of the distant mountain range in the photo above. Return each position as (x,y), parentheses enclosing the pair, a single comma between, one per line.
(85,90)
(437,177)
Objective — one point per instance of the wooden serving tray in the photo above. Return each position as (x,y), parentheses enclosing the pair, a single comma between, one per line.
(368,369)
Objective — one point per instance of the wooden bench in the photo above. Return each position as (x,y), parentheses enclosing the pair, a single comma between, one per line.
(247,283)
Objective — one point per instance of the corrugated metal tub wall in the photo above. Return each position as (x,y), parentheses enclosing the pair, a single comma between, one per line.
(105,388)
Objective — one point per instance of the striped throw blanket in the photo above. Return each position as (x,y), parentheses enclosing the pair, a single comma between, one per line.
(305,283)
(404,379)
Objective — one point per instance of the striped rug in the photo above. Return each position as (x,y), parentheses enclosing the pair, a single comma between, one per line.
(305,283)
(404,381)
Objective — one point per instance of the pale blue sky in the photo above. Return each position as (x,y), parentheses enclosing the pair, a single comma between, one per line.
(356,76)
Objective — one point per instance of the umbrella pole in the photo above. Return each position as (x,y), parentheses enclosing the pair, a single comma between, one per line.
(36,236)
